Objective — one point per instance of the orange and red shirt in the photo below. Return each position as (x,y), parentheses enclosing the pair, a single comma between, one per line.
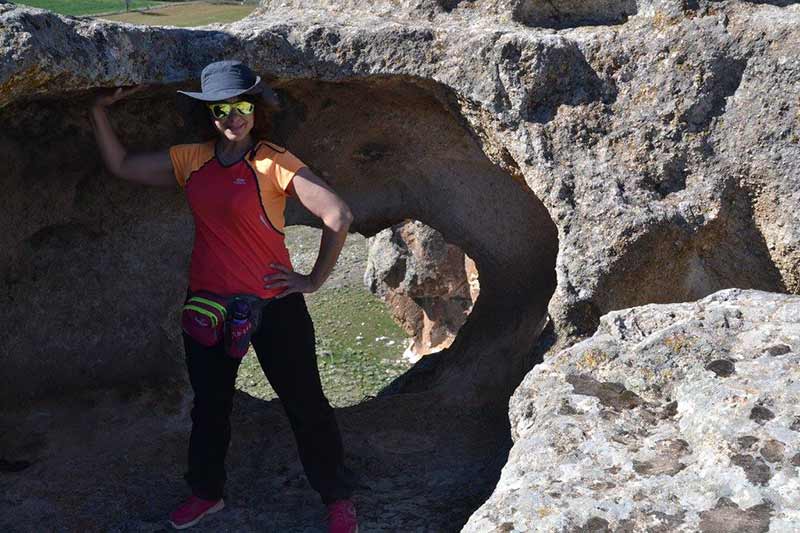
(238,213)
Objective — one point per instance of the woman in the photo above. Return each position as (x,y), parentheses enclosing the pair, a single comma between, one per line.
(236,186)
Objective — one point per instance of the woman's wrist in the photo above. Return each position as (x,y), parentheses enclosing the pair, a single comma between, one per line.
(316,282)
(97,110)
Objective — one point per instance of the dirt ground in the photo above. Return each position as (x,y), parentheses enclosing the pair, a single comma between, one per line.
(113,462)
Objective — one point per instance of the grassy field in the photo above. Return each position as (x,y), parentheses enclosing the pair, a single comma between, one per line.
(184,15)
(194,14)
(87,7)
(359,346)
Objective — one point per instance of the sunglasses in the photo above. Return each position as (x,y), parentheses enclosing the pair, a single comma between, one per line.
(221,111)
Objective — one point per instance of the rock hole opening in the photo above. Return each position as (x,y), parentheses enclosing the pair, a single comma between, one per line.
(573,13)
(400,150)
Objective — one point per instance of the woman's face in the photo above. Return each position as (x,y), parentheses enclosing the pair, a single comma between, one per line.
(235,127)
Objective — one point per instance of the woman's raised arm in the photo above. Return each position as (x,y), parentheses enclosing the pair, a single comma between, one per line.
(147,168)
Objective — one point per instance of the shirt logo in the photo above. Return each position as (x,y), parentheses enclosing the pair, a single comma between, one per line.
(240,181)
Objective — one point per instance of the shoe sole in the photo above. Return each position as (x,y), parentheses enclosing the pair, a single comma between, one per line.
(220,505)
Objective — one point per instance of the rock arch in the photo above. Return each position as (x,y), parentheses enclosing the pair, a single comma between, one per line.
(609,132)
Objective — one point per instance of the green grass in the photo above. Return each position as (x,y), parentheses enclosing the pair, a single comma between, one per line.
(194,14)
(185,15)
(87,7)
(359,347)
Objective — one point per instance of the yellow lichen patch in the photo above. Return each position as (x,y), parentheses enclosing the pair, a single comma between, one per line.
(544,511)
(592,359)
(678,342)
(663,20)
(28,81)
(646,93)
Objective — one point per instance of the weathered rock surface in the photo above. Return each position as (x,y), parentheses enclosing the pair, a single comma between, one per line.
(678,417)
(429,285)
(608,154)
(658,156)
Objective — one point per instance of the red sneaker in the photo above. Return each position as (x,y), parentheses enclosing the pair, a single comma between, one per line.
(192,510)
(342,517)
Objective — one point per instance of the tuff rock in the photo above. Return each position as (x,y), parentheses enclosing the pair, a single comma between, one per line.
(428,284)
(590,157)
(672,417)
(652,147)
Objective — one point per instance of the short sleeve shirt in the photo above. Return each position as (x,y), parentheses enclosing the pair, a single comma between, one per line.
(238,212)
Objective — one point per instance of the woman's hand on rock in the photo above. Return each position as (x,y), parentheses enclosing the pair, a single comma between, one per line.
(290,281)
(108,98)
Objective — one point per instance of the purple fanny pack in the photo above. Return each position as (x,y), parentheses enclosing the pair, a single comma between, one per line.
(210,319)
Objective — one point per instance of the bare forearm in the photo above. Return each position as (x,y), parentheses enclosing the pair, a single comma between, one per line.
(110,148)
(148,168)
(334,233)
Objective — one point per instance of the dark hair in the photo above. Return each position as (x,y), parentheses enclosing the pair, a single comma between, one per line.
(198,123)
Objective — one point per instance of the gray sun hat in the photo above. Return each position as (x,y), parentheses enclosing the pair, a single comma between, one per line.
(225,79)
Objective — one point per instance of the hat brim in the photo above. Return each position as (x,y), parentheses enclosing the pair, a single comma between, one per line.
(217,96)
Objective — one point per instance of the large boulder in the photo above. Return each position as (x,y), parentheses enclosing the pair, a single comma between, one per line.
(428,284)
(678,417)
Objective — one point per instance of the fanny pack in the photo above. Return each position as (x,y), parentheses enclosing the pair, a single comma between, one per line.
(210,319)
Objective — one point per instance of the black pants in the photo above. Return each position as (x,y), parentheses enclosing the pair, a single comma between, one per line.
(285,346)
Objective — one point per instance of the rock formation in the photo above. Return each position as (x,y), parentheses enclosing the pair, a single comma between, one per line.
(658,167)
(429,285)
(388,169)
(678,417)
(589,156)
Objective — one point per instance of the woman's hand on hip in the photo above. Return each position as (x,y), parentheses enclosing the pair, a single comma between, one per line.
(290,281)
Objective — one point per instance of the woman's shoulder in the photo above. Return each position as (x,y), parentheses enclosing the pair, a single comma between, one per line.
(266,153)
(266,148)
(200,148)
(270,159)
